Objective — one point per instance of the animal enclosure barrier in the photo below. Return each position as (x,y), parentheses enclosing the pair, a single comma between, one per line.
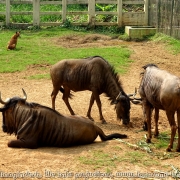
(121,13)
(165,16)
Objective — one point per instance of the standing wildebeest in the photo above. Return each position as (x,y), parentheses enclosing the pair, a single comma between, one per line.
(36,125)
(94,74)
(161,90)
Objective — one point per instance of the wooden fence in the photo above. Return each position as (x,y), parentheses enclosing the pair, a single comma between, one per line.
(122,17)
(165,16)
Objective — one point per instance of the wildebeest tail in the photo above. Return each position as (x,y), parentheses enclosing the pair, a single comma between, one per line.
(111,136)
(62,91)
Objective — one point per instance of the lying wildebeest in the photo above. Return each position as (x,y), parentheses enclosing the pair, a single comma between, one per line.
(36,125)
(94,74)
(161,90)
(13,41)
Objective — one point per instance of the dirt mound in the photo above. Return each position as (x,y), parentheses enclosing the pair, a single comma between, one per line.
(93,40)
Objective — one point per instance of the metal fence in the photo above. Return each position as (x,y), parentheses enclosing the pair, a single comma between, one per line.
(165,15)
(123,14)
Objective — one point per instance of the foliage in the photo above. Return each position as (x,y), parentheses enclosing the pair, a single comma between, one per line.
(173,44)
(109,7)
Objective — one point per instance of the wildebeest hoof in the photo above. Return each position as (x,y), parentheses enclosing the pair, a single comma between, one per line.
(145,128)
(148,140)
(91,118)
(168,149)
(104,122)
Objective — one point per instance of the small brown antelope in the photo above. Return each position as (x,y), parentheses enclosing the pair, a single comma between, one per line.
(13,41)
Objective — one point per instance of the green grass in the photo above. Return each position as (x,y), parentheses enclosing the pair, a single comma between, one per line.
(163,140)
(99,159)
(173,44)
(39,47)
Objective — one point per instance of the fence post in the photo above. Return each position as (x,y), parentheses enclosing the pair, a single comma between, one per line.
(91,10)
(64,10)
(158,13)
(172,9)
(146,9)
(7,12)
(119,13)
(36,12)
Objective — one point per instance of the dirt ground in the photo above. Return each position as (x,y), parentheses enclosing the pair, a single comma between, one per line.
(43,162)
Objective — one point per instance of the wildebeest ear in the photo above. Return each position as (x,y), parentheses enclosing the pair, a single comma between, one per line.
(137,102)
(114,102)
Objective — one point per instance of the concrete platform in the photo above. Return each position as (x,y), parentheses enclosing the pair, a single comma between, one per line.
(135,32)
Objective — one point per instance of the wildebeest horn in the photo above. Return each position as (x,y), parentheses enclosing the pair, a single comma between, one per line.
(25,95)
(134,94)
(119,95)
(4,102)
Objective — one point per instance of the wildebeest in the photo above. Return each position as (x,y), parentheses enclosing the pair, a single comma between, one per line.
(161,90)
(13,41)
(36,125)
(94,74)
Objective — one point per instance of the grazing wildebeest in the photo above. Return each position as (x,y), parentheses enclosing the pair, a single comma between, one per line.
(36,125)
(13,41)
(94,74)
(161,90)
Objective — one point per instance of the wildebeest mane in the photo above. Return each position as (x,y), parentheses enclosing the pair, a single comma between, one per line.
(149,65)
(109,86)
(36,105)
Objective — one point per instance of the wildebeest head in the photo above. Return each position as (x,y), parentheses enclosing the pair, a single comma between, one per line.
(122,106)
(8,124)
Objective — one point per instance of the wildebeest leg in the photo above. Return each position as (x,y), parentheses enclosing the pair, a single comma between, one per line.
(65,98)
(98,101)
(148,111)
(156,118)
(178,123)
(170,116)
(90,106)
(145,128)
(53,97)
(22,144)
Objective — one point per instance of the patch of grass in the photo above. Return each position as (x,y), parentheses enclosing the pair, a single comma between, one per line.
(39,76)
(39,47)
(139,157)
(124,37)
(99,159)
(173,44)
(162,140)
